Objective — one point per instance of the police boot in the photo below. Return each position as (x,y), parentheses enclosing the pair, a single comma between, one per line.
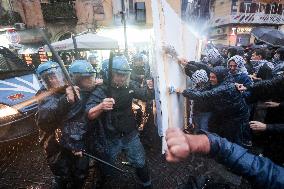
(144,176)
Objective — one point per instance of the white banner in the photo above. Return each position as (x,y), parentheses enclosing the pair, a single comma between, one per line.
(170,30)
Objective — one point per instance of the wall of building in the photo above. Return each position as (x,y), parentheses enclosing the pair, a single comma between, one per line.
(108,10)
(222,8)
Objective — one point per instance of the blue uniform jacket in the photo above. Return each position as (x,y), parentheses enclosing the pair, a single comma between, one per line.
(261,171)
(54,112)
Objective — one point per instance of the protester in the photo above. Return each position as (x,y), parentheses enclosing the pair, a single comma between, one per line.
(230,115)
(262,68)
(238,71)
(262,172)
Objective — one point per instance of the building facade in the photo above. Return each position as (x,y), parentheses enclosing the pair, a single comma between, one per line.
(64,17)
(231,21)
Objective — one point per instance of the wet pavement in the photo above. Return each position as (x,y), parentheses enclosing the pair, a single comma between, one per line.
(23,165)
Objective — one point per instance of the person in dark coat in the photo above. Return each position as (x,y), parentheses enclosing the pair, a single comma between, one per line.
(260,171)
(272,93)
(235,50)
(278,62)
(264,90)
(63,123)
(112,104)
(261,67)
(201,112)
(199,74)
(230,112)
(238,71)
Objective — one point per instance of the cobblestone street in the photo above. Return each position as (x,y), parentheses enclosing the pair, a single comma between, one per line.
(23,165)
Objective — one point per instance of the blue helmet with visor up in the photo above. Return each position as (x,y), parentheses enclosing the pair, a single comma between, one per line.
(83,74)
(82,67)
(51,75)
(120,65)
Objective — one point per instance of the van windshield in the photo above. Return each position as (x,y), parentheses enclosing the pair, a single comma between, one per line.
(11,65)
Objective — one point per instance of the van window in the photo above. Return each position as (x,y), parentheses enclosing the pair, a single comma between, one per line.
(3,64)
(11,65)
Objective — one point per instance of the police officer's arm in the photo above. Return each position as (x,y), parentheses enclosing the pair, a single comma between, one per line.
(261,171)
(53,109)
(51,112)
(98,103)
(105,105)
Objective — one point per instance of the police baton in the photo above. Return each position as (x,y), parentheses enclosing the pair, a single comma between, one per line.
(60,61)
(102,161)
(110,63)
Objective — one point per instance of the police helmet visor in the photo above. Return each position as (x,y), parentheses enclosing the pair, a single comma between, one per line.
(120,79)
(53,78)
(84,82)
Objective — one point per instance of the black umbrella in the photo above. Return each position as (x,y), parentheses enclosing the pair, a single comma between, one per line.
(270,36)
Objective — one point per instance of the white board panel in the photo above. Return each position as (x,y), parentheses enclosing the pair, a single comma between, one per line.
(170,30)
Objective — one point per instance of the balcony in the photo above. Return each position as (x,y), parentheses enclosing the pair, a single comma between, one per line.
(60,11)
(248,18)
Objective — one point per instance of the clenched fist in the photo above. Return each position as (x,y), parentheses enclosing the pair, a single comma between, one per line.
(181,145)
(107,104)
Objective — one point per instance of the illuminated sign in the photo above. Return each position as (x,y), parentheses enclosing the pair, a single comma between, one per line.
(42,55)
(233,32)
(244,30)
(28,59)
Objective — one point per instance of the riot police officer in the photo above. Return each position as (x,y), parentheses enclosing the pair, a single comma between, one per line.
(116,114)
(140,68)
(63,125)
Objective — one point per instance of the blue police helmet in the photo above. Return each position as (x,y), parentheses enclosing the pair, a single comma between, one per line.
(81,67)
(46,67)
(105,65)
(120,65)
(92,56)
(140,58)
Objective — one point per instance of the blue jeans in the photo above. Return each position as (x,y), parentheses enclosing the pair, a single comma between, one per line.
(201,120)
(134,150)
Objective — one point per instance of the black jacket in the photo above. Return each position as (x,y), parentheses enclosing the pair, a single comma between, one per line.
(224,99)
(121,119)
(55,112)
(192,67)
(230,112)
(275,128)
(265,90)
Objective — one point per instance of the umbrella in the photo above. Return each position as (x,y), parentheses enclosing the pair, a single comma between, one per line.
(270,36)
(85,41)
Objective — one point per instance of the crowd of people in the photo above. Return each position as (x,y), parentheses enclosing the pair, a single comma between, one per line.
(90,117)
(237,94)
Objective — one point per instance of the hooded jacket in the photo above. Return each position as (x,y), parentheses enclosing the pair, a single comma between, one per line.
(220,72)
(230,111)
